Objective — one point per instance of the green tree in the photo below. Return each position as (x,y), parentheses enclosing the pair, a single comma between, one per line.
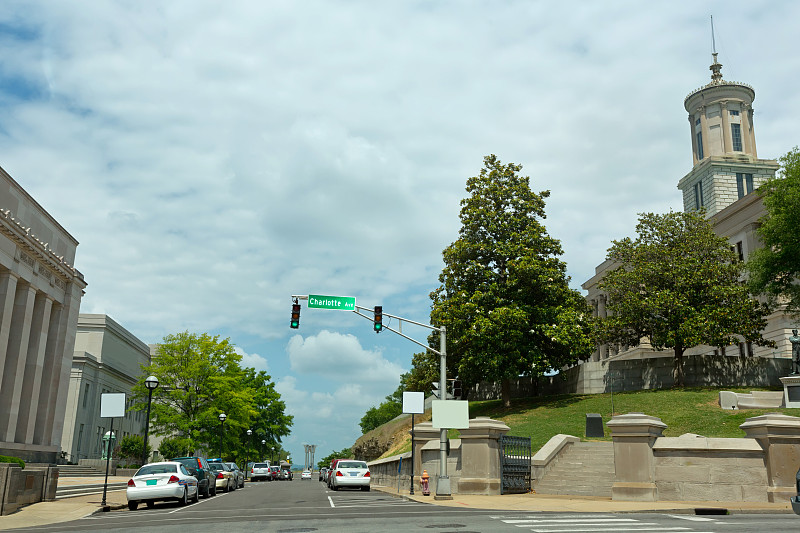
(130,448)
(504,296)
(344,453)
(175,447)
(377,416)
(678,284)
(775,268)
(199,378)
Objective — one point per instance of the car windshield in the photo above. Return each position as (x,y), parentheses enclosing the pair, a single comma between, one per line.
(216,467)
(351,464)
(149,470)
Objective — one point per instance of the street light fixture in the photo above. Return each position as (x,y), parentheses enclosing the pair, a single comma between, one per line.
(249,443)
(263,442)
(151,383)
(222,417)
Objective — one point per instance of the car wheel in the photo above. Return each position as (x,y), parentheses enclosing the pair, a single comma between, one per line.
(185,500)
(214,490)
(133,505)
(205,491)
(196,496)
(150,504)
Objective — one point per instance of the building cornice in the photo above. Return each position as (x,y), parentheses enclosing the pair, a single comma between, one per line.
(745,163)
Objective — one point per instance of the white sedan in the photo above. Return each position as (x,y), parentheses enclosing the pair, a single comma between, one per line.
(306,474)
(165,481)
(349,473)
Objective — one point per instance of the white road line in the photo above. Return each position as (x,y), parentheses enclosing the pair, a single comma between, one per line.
(611,527)
(568,520)
(692,518)
(330,500)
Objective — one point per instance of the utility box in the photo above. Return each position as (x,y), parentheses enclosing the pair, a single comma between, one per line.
(594,426)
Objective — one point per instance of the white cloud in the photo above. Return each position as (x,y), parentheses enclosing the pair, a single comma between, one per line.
(252,360)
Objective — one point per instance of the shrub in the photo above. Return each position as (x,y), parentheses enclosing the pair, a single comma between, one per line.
(6,459)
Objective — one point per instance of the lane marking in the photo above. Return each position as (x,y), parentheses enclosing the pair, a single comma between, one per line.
(692,518)
(331,500)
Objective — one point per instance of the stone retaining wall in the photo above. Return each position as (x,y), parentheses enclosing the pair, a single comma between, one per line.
(19,487)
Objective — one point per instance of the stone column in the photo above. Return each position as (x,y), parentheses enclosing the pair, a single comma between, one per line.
(31,385)
(16,355)
(480,456)
(779,437)
(633,435)
(705,133)
(423,433)
(8,288)
(695,160)
(727,140)
(748,132)
(44,407)
(601,312)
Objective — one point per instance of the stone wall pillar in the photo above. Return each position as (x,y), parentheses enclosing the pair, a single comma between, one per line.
(8,289)
(423,433)
(34,367)
(779,437)
(633,435)
(480,457)
(16,358)
(727,136)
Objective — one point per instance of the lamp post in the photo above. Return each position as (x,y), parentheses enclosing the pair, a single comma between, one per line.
(151,383)
(263,442)
(222,417)
(249,443)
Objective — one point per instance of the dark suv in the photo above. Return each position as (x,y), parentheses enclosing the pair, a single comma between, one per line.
(206,478)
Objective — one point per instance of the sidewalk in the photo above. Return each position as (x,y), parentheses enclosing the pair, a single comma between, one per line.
(66,509)
(585,504)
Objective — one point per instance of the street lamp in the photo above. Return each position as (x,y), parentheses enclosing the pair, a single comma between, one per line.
(263,442)
(249,443)
(151,383)
(222,417)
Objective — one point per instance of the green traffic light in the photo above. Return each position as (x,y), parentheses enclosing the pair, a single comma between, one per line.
(378,327)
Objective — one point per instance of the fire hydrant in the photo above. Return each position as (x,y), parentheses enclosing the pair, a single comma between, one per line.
(423,482)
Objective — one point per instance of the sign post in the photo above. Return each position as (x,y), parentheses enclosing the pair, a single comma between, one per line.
(112,404)
(414,403)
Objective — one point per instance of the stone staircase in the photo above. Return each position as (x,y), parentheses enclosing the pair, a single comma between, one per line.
(583,469)
(78,471)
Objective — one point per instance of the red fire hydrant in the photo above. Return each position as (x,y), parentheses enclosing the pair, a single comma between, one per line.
(423,483)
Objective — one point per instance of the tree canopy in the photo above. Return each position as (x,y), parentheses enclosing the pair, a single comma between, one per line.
(199,378)
(775,268)
(504,296)
(679,285)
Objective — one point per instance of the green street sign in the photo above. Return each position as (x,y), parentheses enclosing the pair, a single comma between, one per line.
(339,303)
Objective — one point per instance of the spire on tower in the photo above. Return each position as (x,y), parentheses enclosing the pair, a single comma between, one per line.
(716,66)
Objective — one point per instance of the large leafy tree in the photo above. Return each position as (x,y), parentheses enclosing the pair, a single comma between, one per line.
(679,285)
(775,268)
(199,378)
(504,296)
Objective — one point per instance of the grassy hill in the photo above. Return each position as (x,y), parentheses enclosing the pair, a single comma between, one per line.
(684,410)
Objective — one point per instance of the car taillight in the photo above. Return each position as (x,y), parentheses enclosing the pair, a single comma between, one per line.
(339,473)
(367,474)
(173,479)
(219,475)
(131,483)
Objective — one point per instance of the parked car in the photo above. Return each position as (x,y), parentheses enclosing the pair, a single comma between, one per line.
(163,481)
(330,471)
(285,474)
(349,473)
(275,472)
(306,474)
(796,499)
(238,475)
(260,471)
(322,472)
(223,477)
(199,468)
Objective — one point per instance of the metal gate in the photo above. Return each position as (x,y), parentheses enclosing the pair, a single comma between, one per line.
(515,465)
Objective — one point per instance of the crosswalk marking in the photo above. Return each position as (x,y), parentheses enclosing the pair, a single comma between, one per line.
(586,523)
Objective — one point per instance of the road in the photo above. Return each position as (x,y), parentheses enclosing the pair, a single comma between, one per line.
(308,506)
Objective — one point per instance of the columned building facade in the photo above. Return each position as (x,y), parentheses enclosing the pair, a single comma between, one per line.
(107,358)
(40,295)
(726,170)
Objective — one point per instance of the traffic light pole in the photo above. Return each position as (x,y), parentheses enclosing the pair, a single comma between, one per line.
(443,482)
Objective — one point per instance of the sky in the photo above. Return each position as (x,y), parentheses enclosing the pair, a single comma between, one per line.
(215,158)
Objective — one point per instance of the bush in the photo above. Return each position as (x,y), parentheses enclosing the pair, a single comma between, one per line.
(6,459)
(130,448)
(174,447)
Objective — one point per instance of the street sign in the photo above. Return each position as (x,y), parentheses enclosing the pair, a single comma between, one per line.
(339,303)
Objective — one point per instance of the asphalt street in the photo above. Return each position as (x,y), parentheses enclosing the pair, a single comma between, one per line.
(307,506)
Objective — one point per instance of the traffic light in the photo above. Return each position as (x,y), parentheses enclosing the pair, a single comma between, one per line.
(295,322)
(378,321)
(435,391)
(457,389)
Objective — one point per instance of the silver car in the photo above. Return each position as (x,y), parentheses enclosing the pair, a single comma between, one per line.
(238,475)
(260,471)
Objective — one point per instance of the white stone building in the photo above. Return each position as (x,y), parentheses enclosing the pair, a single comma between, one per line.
(40,295)
(726,170)
(107,358)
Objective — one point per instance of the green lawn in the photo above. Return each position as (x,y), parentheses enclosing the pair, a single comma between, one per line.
(689,410)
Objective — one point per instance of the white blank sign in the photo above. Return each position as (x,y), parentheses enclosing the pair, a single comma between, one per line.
(414,403)
(112,404)
(450,414)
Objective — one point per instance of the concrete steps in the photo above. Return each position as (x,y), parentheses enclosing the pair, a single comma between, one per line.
(584,469)
(78,471)
(85,489)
